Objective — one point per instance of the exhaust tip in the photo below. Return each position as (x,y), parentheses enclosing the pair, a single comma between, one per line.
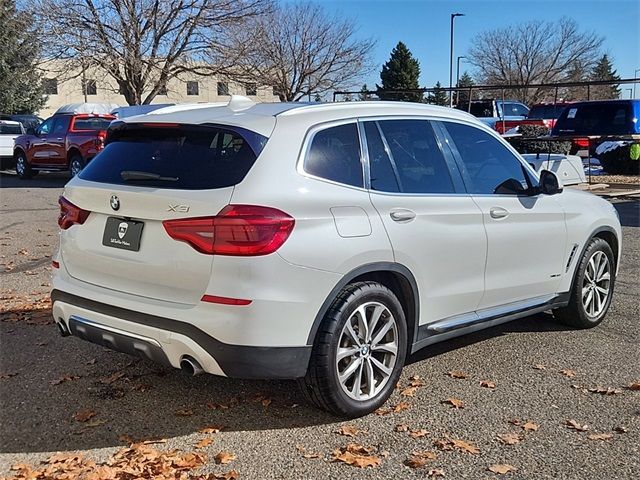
(190,366)
(62,328)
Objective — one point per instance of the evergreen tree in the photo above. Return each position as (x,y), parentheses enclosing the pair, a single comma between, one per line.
(603,70)
(464,81)
(401,72)
(439,96)
(363,95)
(21,88)
(576,73)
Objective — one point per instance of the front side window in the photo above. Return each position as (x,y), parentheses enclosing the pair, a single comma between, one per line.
(487,165)
(60,125)
(334,154)
(44,127)
(417,157)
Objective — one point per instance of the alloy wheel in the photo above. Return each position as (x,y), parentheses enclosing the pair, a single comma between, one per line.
(596,285)
(367,351)
(76,167)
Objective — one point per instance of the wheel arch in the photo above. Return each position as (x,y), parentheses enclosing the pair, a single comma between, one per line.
(609,235)
(19,150)
(396,277)
(72,151)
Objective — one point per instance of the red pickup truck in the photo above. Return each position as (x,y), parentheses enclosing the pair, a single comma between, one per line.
(62,142)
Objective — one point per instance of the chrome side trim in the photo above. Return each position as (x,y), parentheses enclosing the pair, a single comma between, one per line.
(115,330)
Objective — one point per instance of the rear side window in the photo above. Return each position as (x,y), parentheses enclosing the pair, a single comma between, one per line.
(545,111)
(487,165)
(334,154)
(91,123)
(596,119)
(417,157)
(383,176)
(182,157)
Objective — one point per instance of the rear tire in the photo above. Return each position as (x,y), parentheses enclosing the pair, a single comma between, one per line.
(23,169)
(76,164)
(592,287)
(356,364)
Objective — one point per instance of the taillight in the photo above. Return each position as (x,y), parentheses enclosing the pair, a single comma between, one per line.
(238,230)
(581,142)
(100,140)
(70,214)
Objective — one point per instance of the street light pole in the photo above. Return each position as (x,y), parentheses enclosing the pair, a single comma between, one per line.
(635,74)
(453,16)
(458,70)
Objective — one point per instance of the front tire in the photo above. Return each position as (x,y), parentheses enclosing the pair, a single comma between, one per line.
(592,289)
(23,169)
(359,351)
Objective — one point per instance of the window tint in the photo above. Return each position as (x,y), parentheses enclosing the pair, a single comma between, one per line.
(335,155)
(95,123)
(611,118)
(186,157)
(383,178)
(486,163)
(60,125)
(417,156)
(545,111)
(45,126)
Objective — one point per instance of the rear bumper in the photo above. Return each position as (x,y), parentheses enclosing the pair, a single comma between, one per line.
(167,340)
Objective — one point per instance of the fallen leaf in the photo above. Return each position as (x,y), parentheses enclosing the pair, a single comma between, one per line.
(634,385)
(540,366)
(418,433)
(454,402)
(419,459)
(605,390)
(4,375)
(230,475)
(600,436)
(487,384)
(23,252)
(95,423)
(307,454)
(568,373)
(393,409)
(183,412)
(449,444)
(224,457)
(64,378)
(108,380)
(349,431)
(416,381)
(357,456)
(436,472)
(502,468)
(457,374)
(509,438)
(84,415)
(573,424)
(204,442)
(401,427)
(620,429)
(210,429)
(409,391)
(530,427)
(266,402)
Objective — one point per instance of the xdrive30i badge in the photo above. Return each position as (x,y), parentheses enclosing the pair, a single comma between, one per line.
(114,202)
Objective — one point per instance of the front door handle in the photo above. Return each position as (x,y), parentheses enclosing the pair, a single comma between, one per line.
(498,212)
(402,215)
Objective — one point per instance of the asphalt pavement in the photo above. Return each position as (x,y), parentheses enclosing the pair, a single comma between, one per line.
(544,374)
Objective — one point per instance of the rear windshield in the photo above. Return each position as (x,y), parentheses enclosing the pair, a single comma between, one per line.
(92,123)
(8,129)
(547,112)
(596,119)
(176,157)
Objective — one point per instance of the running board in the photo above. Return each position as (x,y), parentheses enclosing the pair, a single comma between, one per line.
(464,320)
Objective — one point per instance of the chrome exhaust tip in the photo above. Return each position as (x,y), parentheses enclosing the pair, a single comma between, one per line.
(190,366)
(62,328)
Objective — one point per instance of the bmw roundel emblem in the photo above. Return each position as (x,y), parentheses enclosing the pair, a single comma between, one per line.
(114,202)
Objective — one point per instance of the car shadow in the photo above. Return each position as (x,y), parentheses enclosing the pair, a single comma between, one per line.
(9,179)
(46,380)
(629,212)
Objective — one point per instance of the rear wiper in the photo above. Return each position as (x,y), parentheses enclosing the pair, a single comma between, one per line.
(128,175)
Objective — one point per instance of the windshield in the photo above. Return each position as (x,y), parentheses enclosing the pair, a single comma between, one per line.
(175,156)
(96,123)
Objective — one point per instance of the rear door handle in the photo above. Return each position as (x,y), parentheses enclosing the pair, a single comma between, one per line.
(498,212)
(402,215)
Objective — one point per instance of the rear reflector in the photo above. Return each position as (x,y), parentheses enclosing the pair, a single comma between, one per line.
(70,214)
(238,230)
(225,300)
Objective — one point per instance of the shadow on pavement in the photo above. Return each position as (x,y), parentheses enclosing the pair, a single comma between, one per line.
(9,179)
(629,212)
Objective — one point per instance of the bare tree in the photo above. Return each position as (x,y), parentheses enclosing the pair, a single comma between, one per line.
(142,44)
(533,52)
(300,50)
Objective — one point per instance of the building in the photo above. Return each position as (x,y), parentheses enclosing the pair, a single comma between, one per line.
(96,86)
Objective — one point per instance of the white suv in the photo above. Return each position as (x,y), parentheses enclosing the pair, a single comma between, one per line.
(319,242)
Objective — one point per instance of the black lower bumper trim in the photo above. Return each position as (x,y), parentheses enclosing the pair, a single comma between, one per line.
(236,361)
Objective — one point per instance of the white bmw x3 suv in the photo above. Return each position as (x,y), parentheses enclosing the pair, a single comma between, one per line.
(324,243)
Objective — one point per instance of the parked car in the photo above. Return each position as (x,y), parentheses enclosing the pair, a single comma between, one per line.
(491,111)
(65,141)
(321,242)
(544,114)
(601,118)
(9,131)
(28,121)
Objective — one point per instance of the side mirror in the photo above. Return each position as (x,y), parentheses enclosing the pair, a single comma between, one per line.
(550,184)
(31,131)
